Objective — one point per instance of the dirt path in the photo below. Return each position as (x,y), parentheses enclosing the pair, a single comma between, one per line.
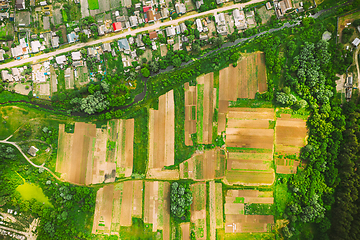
(157,25)
(357,65)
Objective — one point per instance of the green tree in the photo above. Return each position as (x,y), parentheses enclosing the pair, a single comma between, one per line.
(145,72)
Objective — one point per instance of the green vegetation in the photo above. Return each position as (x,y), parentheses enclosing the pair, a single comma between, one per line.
(200,112)
(29,191)
(180,201)
(141,136)
(138,230)
(93,4)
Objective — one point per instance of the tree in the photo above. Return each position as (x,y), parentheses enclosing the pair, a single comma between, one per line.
(218,41)
(195,47)
(83,37)
(180,200)
(176,61)
(139,52)
(154,66)
(145,72)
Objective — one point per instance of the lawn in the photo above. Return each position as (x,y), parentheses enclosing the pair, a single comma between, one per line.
(93,4)
(29,191)
(64,15)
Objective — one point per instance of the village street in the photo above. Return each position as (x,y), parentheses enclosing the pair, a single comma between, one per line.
(155,26)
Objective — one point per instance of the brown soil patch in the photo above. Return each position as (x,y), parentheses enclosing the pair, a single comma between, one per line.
(250,178)
(212,210)
(185,231)
(238,114)
(103,209)
(255,124)
(249,138)
(219,212)
(190,115)
(198,210)
(161,133)
(204,166)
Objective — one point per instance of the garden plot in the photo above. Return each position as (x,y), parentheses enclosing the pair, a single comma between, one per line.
(53,79)
(120,145)
(69,78)
(101,159)
(82,76)
(236,219)
(161,133)
(242,81)
(208,165)
(250,144)
(190,113)
(23,18)
(57,16)
(185,231)
(205,92)
(215,208)
(290,138)
(198,210)
(157,206)
(116,205)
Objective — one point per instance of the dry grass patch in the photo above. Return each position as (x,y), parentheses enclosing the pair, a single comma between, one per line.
(185,231)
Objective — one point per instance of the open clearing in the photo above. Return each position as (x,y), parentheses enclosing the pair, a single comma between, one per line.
(190,113)
(344,20)
(250,144)
(290,138)
(116,204)
(161,133)
(208,165)
(205,92)
(235,219)
(105,153)
(157,206)
(198,210)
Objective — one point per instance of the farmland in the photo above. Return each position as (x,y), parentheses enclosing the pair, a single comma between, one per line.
(198,210)
(190,113)
(161,133)
(107,152)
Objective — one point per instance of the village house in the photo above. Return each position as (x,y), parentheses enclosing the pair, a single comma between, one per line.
(138,40)
(61,60)
(170,31)
(35,46)
(76,56)
(153,35)
(199,25)
(55,42)
(101,30)
(133,21)
(199,3)
(20,4)
(6,76)
(183,27)
(117,26)
(2,52)
(150,16)
(282,7)
(239,18)
(123,44)
(72,37)
(32,151)
(356,42)
(106,47)
(180,8)
(91,52)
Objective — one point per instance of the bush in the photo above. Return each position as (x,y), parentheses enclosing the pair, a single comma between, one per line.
(346,35)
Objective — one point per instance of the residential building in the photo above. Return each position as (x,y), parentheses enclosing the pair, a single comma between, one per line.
(150,16)
(220,19)
(239,19)
(91,52)
(356,42)
(268,6)
(350,81)
(106,47)
(183,27)
(203,37)
(170,31)
(101,30)
(153,35)
(4,15)
(123,44)
(72,37)
(35,46)
(219,1)
(76,56)
(199,25)
(146,8)
(61,60)
(17,51)
(164,13)
(77,29)
(55,42)
(138,40)
(2,52)
(6,76)
(20,4)
(282,7)
(87,32)
(222,30)
(199,3)
(117,26)
(78,63)
(153,46)
(32,151)
(180,8)
(43,3)
(133,21)
(177,28)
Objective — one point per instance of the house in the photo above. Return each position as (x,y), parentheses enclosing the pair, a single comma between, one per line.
(72,37)
(219,1)
(131,40)
(350,80)
(153,46)
(164,13)
(239,19)
(183,27)
(139,41)
(150,15)
(101,30)
(106,47)
(78,63)
(222,30)
(177,28)
(20,4)
(32,151)
(123,44)
(77,29)
(220,19)
(117,26)
(55,42)
(133,21)
(268,6)
(76,56)
(358,28)
(4,15)
(199,3)
(203,37)
(6,76)
(87,32)
(356,42)
(35,46)
(2,52)
(91,52)
(180,8)
(170,31)
(153,35)
(282,7)
(43,3)
(61,60)
(146,8)
(199,25)
(17,51)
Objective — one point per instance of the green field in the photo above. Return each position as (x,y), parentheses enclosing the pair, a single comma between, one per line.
(200,112)
(93,4)
(64,16)
(29,191)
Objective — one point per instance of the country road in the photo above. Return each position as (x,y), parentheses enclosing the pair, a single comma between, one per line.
(157,25)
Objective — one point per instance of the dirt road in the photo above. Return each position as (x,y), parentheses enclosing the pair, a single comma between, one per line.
(157,25)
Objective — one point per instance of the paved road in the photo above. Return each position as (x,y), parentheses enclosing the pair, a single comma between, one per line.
(157,25)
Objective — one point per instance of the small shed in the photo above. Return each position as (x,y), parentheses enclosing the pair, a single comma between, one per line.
(32,151)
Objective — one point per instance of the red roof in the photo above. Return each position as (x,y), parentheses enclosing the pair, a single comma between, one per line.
(146,8)
(153,35)
(117,26)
